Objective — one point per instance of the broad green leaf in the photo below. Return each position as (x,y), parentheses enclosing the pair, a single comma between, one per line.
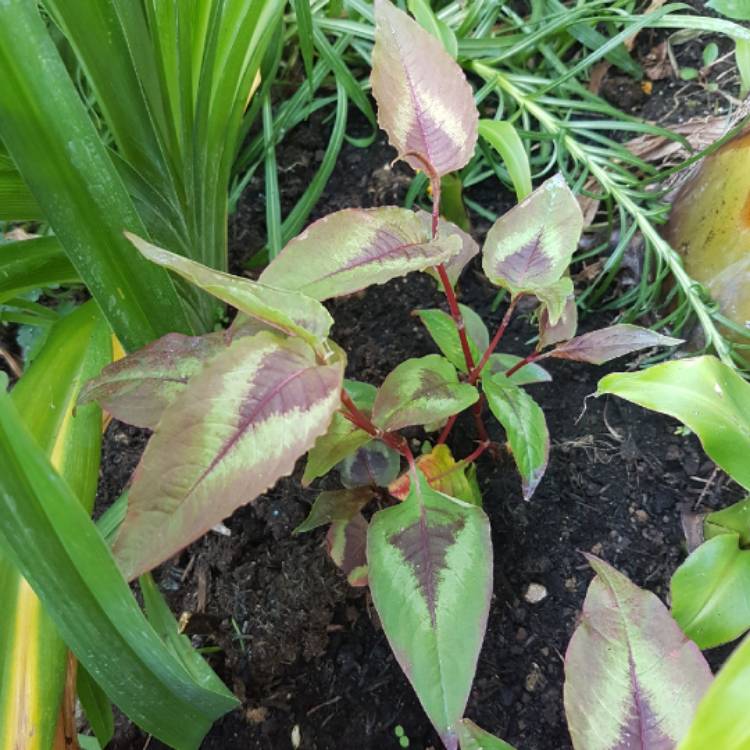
(374,464)
(734,519)
(33,657)
(598,347)
(441,326)
(287,311)
(96,706)
(473,737)
(420,391)
(722,720)
(504,138)
(75,575)
(138,388)
(335,505)
(349,250)
(703,393)
(427,19)
(342,437)
(709,592)
(525,426)
(425,103)
(430,575)
(564,329)
(444,474)
(31,264)
(526,375)
(468,249)
(529,248)
(239,425)
(736,9)
(632,678)
(347,543)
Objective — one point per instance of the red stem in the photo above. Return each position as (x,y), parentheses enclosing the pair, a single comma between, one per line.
(447,429)
(525,361)
(475,372)
(481,448)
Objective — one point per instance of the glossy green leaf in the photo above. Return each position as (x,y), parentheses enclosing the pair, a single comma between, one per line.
(504,138)
(16,201)
(604,344)
(525,426)
(430,575)
(287,311)
(704,393)
(352,249)
(96,706)
(529,248)
(425,103)
(632,678)
(342,437)
(722,720)
(240,424)
(473,737)
(33,264)
(420,391)
(335,505)
(442,328)
(731,520)
(375,464)
(77,574)
(526,375)
(709,592)
(735,9)
(138,388)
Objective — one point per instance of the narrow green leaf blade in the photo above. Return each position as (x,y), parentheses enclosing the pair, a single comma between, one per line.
(735,9)
(420,391)
(430,575)
(96,706)
(504,138)
(708,396)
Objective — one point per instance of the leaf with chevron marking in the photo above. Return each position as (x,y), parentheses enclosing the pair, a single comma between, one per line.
(421,391)
(375,464)
(239,425)
(425,103)
(430,574)
(138,388)
(633,680)
(529,248)
(284,310)
(349,250)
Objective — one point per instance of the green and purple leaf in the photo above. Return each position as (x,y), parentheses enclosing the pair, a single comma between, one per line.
(430,574)
(347,544)
(342,438)
(349,250)
(421,391)
(288,311)
(374,464)
(442,328)
(469,246)
(473,737)
(564,329)
(138,388)
(598,347)
(335,505)
(528,249)
(239,425)
(632,679)
(425,104)
(525,426)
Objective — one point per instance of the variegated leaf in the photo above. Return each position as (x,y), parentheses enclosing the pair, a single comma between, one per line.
(443,474)
(342,438)
(335,505)
(289,311)
(526,375)
(529,248)
(525,426)
(441,326)
(138,388)
(352,249)
(240,424)
(554,298)
(469,246)
(564,329)
(347,543)
(419,391)
(473,737)
(430,573)
(374,464)
(632,679)
(600,346)
(425,103)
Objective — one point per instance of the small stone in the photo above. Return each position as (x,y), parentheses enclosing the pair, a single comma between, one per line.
(256,715)
(296,737)
(571,584)
(521,635)
(535,593)
(641,516)
(534,678)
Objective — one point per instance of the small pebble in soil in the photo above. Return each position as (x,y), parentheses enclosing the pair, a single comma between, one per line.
(535,593)
(534,679)
(641,516)
(296,736)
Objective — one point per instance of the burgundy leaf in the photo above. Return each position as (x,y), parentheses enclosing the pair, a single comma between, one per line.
(564,329)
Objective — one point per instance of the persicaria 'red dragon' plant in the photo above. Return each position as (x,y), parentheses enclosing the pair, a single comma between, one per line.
(232,412)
